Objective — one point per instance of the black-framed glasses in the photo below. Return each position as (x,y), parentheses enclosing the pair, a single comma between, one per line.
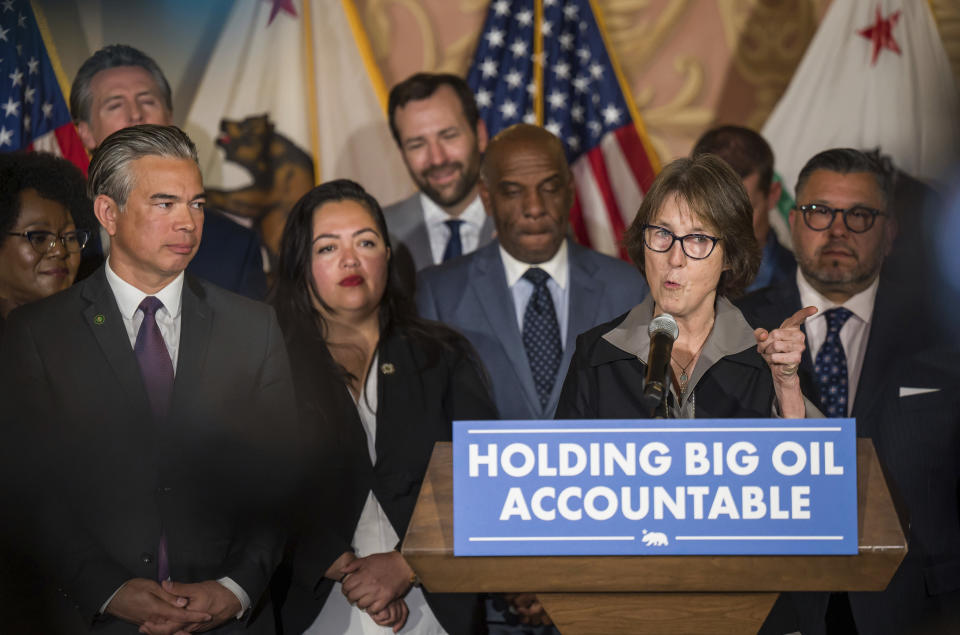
(43,242)
(661,239)
(858,219)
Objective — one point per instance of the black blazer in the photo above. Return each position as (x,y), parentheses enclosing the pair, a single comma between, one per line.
(419,393)
(105,478)
(918,441)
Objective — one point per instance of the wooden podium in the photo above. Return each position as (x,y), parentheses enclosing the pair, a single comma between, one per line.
(655,594)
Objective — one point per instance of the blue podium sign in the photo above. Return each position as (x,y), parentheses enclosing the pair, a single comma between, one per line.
(655,487)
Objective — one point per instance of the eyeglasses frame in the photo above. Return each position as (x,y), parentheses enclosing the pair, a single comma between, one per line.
(713,239)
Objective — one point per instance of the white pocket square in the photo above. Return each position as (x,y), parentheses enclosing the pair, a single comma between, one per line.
(907,391)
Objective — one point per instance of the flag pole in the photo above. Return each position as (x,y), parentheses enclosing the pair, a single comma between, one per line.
(313,111)
(538,61)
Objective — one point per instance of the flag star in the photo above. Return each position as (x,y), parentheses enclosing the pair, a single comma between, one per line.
(576,113)
(573,142)
(595,127)
(518,48)
(596,99)
(19,49)
(483,98)
(581,84)
(488,68)
(11,108)
(557,100)
(530,118)
(47,109)
(33,64)
(596,70)
(7,5)
(546,28)
(611,114)
(502,7)
(22,21)
(525,18)
(28,95)
(508,109)
(6,137)
(3,34)
(562,70)
(513,78)
(549,3)
(583,26)
(17,77)
(26,122)
(532,88)
(494,38)
(566,41)
(553,127)
(584,54)
(570,11)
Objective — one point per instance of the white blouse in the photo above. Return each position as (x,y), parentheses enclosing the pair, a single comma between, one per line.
(374,534)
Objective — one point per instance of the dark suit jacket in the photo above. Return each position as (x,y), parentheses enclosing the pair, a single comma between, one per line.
(419,392)
(107,479)
(918,441)
(471,295)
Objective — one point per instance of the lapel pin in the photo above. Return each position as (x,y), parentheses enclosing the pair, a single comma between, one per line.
(387,368)
(98,319)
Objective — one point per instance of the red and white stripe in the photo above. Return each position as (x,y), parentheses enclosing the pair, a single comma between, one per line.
(63,142)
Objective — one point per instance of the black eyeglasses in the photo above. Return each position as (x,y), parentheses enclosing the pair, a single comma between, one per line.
(858,219)
(43,242)
(661,239)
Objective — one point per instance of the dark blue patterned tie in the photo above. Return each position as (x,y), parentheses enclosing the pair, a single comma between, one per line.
(831,365)
(541,335)
(454,245)
(157,371)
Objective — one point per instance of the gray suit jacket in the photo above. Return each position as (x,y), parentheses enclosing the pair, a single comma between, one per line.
(471,295)
(408,231)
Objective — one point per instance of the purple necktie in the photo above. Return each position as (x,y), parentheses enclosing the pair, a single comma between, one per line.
(154,359)
(157,371)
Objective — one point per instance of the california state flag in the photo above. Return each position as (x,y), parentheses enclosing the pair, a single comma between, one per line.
(291,97)
(875,74)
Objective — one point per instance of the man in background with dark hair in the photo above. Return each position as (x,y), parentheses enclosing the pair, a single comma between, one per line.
(120,86)
(874,355)
(751,158)
(434,120)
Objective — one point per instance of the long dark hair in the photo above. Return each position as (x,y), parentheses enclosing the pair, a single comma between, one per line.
(295,290)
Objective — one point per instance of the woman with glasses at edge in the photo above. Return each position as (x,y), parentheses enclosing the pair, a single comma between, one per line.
(376,387)
(693,240)
(40,245)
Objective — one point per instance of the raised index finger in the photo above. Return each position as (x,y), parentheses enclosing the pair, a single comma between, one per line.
(796,320)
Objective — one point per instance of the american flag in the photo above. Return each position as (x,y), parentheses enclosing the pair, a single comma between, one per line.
(546,62)
(33,111)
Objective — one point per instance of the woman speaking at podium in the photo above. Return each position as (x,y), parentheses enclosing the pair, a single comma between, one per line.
(376,388)
(693,240)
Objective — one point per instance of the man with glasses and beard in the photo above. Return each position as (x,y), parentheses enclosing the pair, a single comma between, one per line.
(873,355)
(435,122)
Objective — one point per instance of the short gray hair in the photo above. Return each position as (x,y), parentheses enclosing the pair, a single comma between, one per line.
(110,173)
(81,97)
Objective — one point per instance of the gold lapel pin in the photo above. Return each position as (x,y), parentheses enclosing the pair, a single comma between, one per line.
(387,368)
(98,319)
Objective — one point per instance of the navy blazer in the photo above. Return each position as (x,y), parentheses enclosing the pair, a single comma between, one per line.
(917,437)
(471,295)
(107,479)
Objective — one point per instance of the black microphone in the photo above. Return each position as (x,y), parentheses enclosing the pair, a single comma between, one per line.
(663,332)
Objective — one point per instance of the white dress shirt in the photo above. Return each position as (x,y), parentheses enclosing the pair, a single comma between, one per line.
(473,217)
(558,268)
(853,335)
(374,534)
(128,299)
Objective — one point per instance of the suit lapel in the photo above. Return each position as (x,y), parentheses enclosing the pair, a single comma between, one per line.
(586,290)
(103,318)
(883,344)
(489,284)
(196,321)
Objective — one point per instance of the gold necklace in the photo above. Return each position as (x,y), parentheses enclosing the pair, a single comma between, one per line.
(684,379)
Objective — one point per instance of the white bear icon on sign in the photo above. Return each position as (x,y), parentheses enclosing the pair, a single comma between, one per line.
(655,539)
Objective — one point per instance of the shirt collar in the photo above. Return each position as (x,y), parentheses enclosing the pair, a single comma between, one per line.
(433,214)
(558,266)
(129,297)
(860,304)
